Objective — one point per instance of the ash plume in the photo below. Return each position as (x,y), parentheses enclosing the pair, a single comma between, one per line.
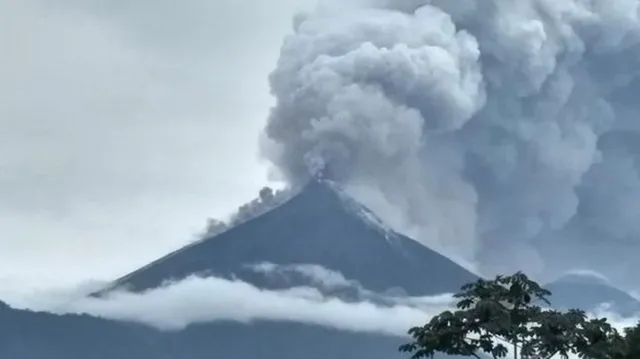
(505,132)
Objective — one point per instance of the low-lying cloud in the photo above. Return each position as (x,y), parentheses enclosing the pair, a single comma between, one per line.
(211,299)
(197,299)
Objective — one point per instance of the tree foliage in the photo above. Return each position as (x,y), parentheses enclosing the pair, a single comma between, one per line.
(512,313)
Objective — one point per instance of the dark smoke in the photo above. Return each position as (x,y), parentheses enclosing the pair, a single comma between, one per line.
(503,131)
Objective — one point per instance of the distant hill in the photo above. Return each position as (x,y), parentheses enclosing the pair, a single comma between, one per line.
(588,291)
(32,335)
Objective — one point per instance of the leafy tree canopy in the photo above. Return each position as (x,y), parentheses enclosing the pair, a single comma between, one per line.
(512,312)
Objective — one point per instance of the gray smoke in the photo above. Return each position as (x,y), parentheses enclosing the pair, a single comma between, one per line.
(267,200)
(504,131)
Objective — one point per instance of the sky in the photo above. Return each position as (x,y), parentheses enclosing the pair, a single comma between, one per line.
(124,126)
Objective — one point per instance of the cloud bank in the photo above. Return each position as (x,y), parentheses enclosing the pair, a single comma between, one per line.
(210,299)
(505,132)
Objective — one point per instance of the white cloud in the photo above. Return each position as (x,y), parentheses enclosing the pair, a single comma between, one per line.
(124,125)
(200,300)
(210,299)
(318,275)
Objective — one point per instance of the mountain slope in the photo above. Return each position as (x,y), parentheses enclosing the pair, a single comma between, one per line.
(36,335)
(320,226)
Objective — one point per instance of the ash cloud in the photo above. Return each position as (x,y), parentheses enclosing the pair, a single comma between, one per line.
(504,132)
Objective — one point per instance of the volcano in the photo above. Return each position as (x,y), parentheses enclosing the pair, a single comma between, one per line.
(320,225)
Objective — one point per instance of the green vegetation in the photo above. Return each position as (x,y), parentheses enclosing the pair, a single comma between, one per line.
(511,313)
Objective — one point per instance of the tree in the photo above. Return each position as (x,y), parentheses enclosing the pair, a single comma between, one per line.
(493,315)
(628,347)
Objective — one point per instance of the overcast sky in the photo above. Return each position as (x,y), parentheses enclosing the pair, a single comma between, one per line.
(124,125)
